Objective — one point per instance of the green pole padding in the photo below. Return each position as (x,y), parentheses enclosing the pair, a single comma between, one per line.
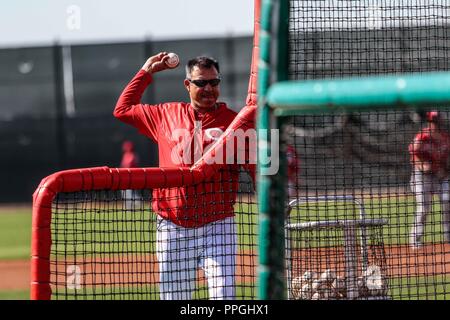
(272,67)
(263,142)
(352,94)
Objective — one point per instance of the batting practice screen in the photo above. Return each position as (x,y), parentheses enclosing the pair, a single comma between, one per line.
(358,91)
(106,242)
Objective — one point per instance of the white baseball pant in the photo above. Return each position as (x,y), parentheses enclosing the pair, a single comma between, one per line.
(181,251)
(292,191)
(131,199)
(424,186)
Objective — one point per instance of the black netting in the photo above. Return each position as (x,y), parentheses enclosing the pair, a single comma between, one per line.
(360,210)
(112,245)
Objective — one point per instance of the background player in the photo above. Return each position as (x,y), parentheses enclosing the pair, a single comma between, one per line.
(130,159)
(429,153)
(293,162)
(195,225)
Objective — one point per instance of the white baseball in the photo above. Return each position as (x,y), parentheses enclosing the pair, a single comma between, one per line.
(362,288)
(306,292)
(296,287)
(316,285)
(173,60)
(340,286)
(374,277)
(328,276)
(327,293)
(315,296)
(309,276)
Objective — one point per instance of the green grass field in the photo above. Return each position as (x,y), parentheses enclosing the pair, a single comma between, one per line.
(116,231)
(421,288)
(15,241)
(15,295)
(15,234)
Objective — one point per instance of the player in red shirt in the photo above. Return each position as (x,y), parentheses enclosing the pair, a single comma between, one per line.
(293,162)
(130,159)
(430,153)
(195,224)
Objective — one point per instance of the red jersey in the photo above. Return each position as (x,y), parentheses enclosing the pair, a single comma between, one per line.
(129,160)
(431,149)
(293,163)
(178,129)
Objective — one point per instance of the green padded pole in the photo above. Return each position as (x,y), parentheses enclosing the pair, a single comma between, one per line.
(354,94)
(263,143)
(273,58)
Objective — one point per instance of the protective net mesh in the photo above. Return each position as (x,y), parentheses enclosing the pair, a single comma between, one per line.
(360,210)
(112,245)
(349,38)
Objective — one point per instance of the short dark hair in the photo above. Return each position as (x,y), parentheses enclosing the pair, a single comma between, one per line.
(201,62)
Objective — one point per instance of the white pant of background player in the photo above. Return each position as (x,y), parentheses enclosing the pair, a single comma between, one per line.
(181,251)
(424,186)
(131,199)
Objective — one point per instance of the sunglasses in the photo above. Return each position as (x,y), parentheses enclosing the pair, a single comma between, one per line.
(203,83)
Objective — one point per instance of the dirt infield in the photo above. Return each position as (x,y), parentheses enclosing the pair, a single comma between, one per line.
(14,275)
(132,270)
(398,261)
(13,207)
(429,260)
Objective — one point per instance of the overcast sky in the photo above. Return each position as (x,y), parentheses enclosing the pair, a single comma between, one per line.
(29,22)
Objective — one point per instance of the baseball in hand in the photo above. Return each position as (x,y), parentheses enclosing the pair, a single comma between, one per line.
(173,60)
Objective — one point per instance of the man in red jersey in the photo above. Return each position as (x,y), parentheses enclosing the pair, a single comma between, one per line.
(130,159)
(293,162)
(195,224)
(430,154)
